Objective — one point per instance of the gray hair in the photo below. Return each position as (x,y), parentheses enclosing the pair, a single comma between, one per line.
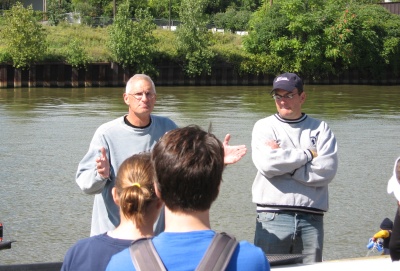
(138,77)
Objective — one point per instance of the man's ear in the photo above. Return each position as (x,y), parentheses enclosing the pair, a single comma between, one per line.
(126,98)
(158,194)
(303,97)
(115,195)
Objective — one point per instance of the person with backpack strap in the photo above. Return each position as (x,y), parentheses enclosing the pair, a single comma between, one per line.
(189,163)
(219,253)
(139,208)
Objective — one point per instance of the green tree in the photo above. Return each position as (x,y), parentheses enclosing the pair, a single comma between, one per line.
(132,43)
(165,8)
(87,12)
(364,37)
(56,11)
(217,6)
(6,4)
(94,8)
(23,36)
(266,25)
(75,54)
(193,38)
(104,9)
(302,49)
(317,37)
(232,19)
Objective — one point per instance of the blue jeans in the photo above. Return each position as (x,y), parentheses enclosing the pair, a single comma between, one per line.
(290,233)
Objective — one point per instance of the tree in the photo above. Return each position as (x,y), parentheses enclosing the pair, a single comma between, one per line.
(24,37)
(217,6)
(364,37)
(75,54)
(232,19)
(6,4)
(56,11)
(165,8)
(132,43)
(321,37)
(192,38)
(86,11)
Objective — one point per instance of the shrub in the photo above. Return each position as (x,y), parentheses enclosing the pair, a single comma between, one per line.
(132,43)
(76,55)
(23,36)
(193,38)
(232,19)
(56,11)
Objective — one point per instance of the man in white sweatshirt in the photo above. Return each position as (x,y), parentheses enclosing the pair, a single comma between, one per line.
(296,158)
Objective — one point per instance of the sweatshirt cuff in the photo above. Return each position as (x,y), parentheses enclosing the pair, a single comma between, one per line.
(309,155)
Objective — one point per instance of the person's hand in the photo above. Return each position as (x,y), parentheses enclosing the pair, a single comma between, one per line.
(373,239)
(102,164)
(232,154)
(313,152)
(272,144)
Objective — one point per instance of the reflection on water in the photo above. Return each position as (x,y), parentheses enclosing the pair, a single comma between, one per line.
(45,132)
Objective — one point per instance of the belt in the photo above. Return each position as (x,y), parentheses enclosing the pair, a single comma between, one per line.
(290,212)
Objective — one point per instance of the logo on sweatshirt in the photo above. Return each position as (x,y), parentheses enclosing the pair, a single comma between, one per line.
(314,139)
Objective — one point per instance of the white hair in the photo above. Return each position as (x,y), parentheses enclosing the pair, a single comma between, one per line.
(138,77)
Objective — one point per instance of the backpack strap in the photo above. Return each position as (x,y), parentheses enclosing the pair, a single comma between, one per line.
(217,257)
(219,253)
(144,256)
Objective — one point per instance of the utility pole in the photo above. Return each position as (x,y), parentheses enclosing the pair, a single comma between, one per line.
(270,4)
(114,8)
(169,23)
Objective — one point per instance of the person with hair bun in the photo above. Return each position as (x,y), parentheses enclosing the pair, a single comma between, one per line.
(139,208)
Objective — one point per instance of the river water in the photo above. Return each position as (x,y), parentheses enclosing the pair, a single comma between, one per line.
(45,132)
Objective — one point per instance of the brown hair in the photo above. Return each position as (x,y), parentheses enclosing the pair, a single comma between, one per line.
(189,163)
(135,186)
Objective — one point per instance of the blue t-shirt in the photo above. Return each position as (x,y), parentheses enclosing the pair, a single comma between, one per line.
(184,251)
(94,253)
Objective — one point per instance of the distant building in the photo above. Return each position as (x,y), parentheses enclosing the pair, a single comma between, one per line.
(36,4)
(393,7)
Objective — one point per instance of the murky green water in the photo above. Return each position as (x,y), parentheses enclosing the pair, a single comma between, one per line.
(45,132)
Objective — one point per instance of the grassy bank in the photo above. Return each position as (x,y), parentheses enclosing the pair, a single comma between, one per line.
(94,41)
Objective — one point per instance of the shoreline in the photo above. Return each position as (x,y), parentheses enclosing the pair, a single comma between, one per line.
(114,75)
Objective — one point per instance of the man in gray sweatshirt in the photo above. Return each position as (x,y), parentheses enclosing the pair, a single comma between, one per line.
(296,158)
(114,141)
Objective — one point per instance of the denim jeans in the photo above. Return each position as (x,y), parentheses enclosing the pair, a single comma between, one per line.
(290,233)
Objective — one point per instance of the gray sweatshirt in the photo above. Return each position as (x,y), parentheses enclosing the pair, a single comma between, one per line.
(120,141)
(289,178)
